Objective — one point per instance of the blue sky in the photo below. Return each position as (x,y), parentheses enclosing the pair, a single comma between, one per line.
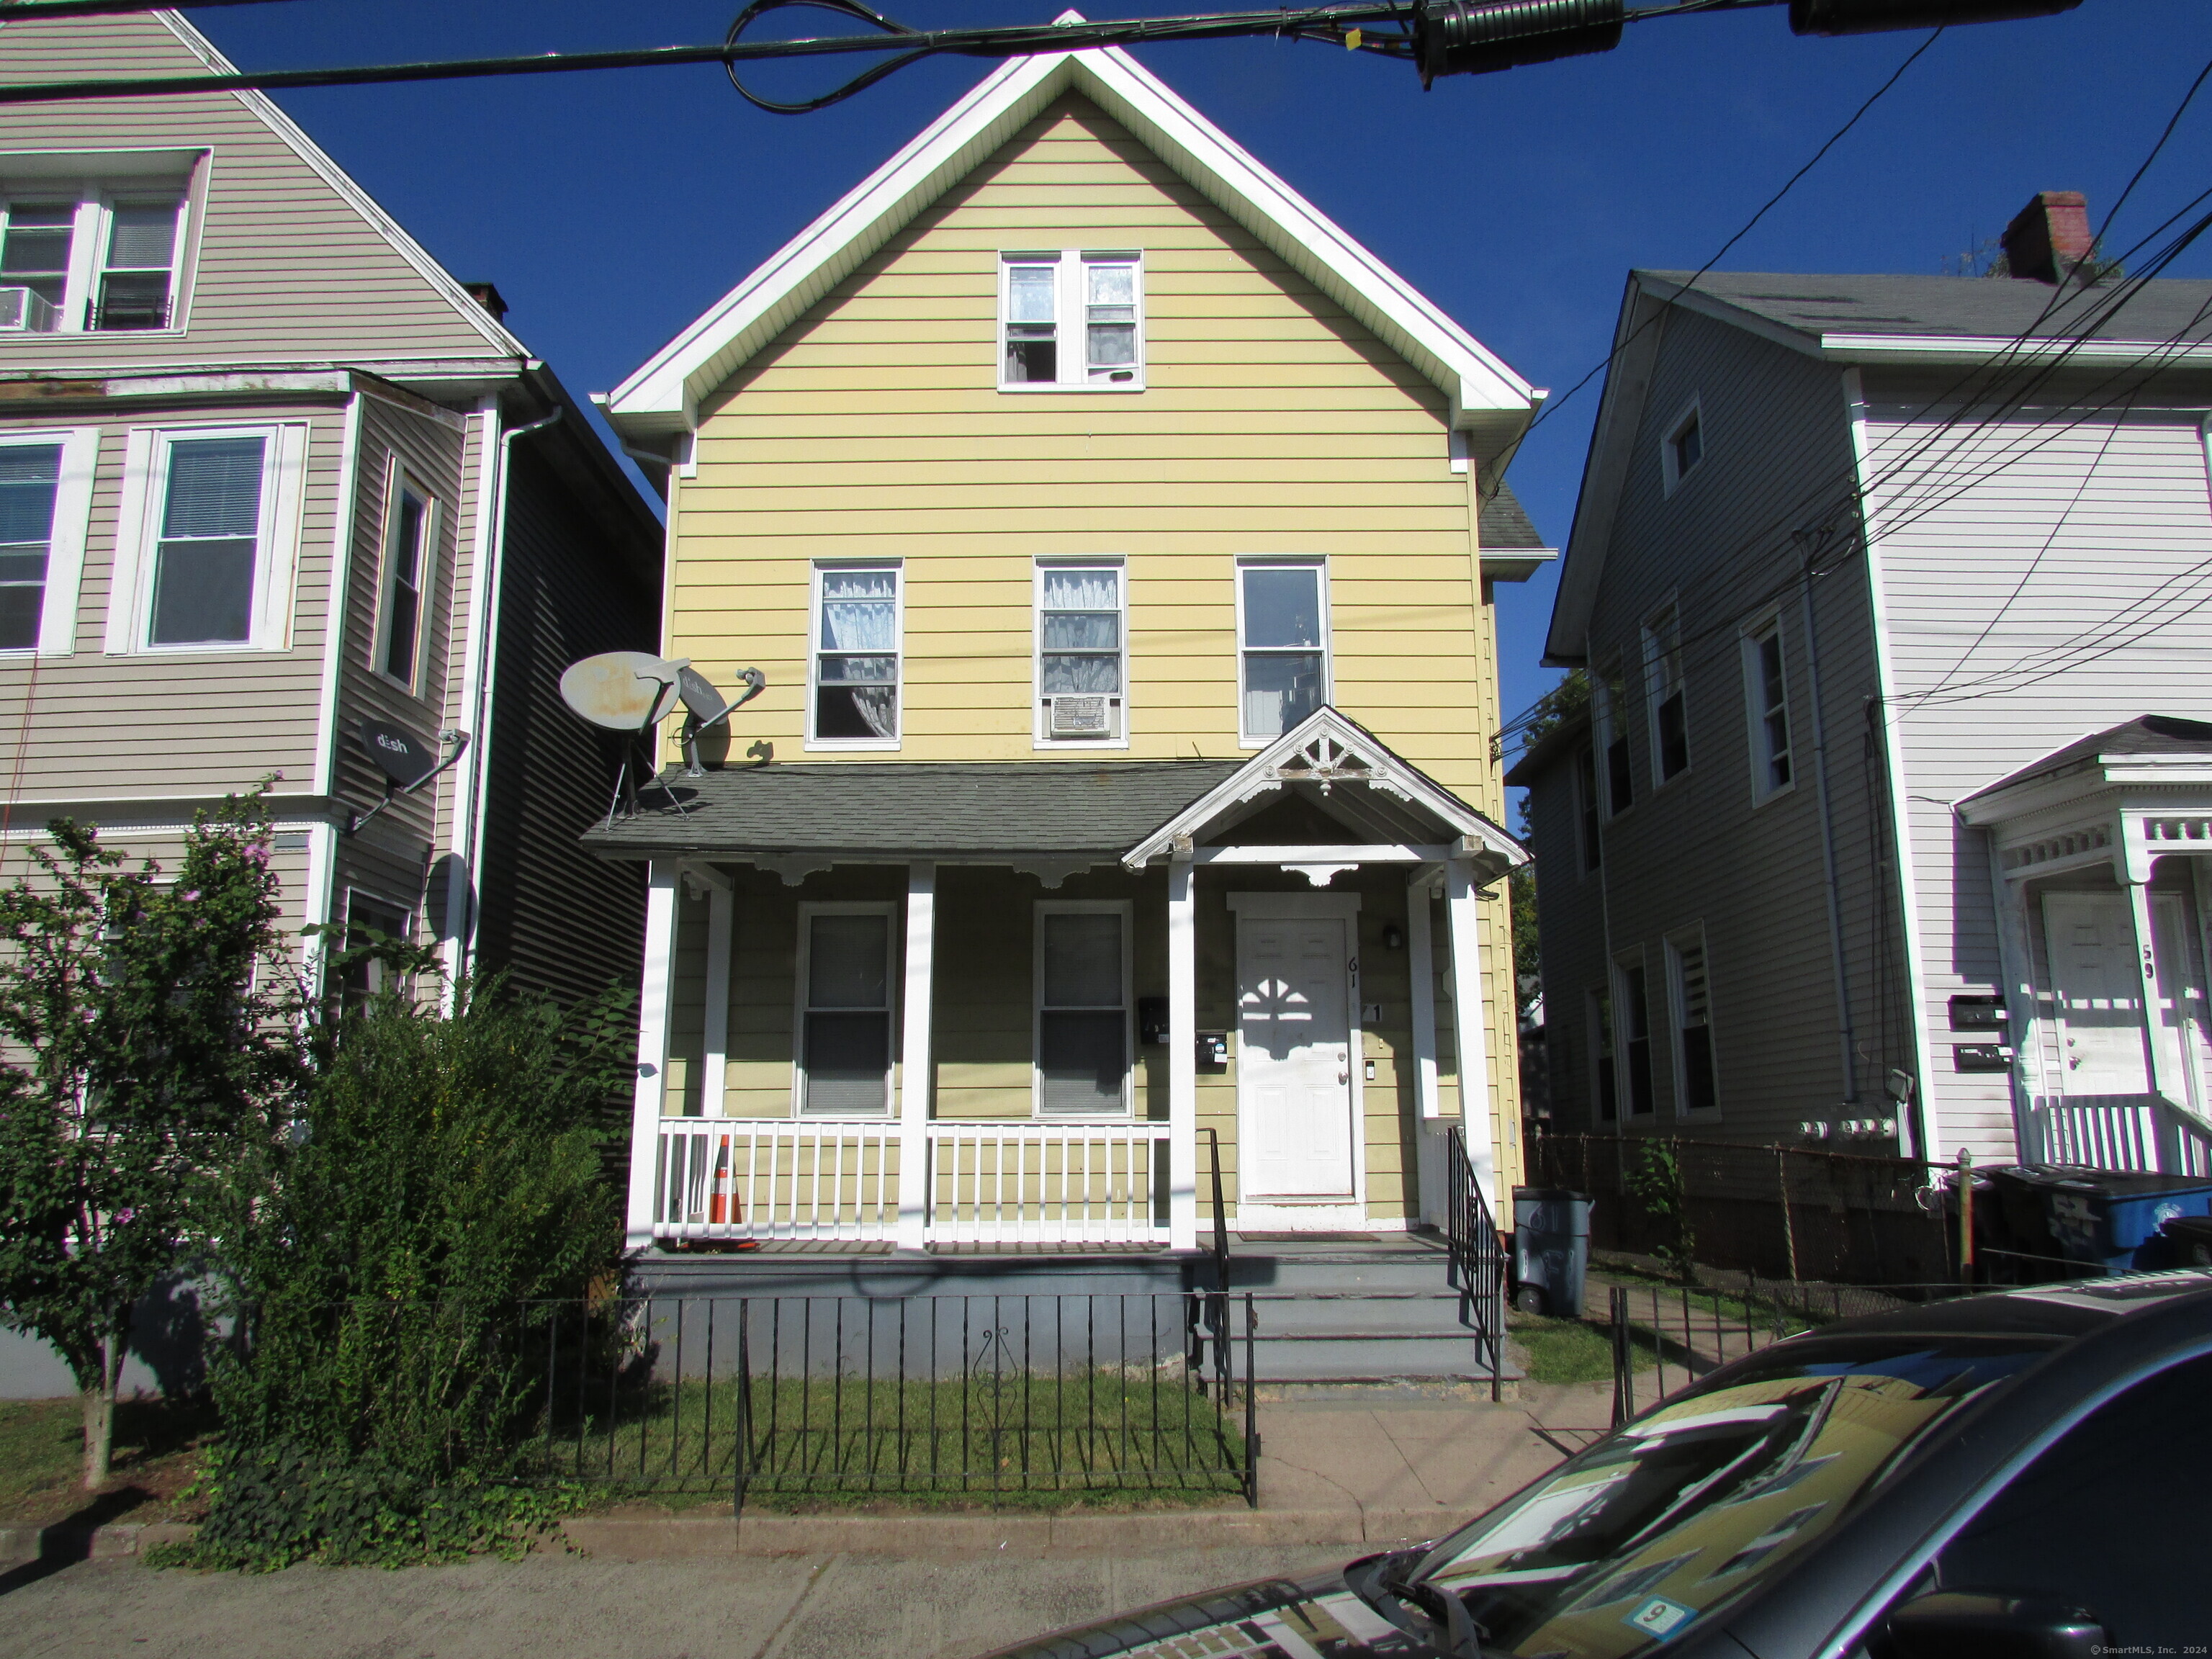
(613,207)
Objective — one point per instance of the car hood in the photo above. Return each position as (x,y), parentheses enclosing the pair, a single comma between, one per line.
(1315,1618)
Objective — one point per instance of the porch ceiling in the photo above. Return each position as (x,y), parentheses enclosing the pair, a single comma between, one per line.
(896,810)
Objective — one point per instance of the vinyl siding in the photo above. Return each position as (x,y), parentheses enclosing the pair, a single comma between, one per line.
(175,725)
(555,918)
(287,269)
(1271,423)
(2045,578)
(1696,851)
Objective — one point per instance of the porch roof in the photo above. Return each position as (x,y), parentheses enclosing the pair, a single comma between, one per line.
(902,810)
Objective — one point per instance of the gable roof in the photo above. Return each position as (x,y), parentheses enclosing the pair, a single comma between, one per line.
(1488,400)
(1385,796)
(2148,739)
(1903,321)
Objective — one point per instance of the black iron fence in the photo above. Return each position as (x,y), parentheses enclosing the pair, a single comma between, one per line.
(981,1398)
(1665,1337)
(1784,1212)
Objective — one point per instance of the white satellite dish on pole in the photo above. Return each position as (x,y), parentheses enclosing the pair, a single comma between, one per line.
(624,690)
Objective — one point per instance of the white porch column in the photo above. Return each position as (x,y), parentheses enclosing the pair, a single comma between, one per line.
(655,992)
(914,1063)
(2157,1066)
(1428,1106)
(1468,1027)
(722,924)
(1182,1056)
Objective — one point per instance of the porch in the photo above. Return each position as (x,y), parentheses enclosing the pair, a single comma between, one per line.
(1045,1006)
(2102,867)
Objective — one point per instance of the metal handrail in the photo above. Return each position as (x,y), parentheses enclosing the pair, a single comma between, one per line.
(1476,1257)
(1215,1306)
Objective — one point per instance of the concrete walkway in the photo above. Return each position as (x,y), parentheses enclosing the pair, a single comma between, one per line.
(1342,1473)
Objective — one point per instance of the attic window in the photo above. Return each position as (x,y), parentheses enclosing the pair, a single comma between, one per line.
(1071,319)
(81,255)
(1684,448)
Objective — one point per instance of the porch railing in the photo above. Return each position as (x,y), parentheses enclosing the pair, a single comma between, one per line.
(2116,1132)
(738,1178)
(1078,1183)
(988,1182)
(1477,1258)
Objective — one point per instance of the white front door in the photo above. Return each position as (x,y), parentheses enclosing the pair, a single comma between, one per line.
(1294,1057)
(2099,993)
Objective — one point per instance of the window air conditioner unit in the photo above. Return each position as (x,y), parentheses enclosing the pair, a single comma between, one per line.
(1084,714)
(25,311)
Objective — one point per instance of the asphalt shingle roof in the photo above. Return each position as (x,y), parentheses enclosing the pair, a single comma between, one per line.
(1981,307)
(2147,734)
(901,809)
(1504,524)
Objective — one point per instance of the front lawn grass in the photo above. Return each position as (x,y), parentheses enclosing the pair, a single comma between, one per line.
(1094,1439)
(1570,1350)
(155,1457)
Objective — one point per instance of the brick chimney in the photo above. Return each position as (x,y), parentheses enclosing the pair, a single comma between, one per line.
(2049,237)
(489,297)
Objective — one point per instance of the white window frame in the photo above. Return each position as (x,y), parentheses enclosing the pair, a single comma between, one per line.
(1586,795)
(1597,1013)
(1073,368)
(808,909)
(397,478)
(1608,728)
(1041,735)
(814,652)
(1673,474)
(1668,616)
(90,233)
(1756,709)
(1678,1008)
(1245,737)
(1627,961)
(138,528)
(1044,908)
(80,447)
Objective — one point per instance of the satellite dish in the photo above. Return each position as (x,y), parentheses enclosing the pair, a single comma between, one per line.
(626,691)
(702,701)
(405,760)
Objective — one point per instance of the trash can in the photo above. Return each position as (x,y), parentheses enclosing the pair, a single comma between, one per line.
(1551,1250)
(2109,1219)
(2191,1238)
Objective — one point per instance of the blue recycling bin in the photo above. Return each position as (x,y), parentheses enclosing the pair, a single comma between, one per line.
(2112,1218)
(1551,1250)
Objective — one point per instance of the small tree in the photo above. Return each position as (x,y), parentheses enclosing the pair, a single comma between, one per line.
(1656,1182)
(152,1035)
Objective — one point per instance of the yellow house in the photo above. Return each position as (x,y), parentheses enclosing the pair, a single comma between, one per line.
(1120,811)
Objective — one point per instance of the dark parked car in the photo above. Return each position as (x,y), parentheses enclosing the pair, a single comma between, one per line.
(2022,1475)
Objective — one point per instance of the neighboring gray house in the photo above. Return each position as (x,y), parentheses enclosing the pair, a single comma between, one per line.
(1871,563)
(264,474)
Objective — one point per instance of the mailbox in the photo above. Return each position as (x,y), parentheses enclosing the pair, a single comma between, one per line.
(1977,1013)
(1981,1057)
(1152,1020)
(1213,1048)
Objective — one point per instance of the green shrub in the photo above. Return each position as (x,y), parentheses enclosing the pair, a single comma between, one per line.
(395,1273)
(1656,1182)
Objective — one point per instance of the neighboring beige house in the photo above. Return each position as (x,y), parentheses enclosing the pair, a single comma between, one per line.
(1108,524)
(262,475)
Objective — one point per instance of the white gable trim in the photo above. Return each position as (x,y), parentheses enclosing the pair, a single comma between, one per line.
(290,132)
(1487,398)
(1327,749)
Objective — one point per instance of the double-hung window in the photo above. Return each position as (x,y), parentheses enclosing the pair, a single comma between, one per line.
(370,921)
(845,1009)
(1070,320)
(1608,710)
(1683,447)
(46,498)
(1282,628)
(409,560)
(1632,1034)
(1690,992)
(100,257)
(1081,646)
(208,527)
(856,657)
(1605,1070)
(1588,820)
(1082,1008)
(1766,695)
(1663,691)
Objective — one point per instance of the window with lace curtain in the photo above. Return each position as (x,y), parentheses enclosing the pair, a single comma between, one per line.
(856,657)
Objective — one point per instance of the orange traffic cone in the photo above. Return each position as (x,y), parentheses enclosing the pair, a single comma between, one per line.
(718,1200)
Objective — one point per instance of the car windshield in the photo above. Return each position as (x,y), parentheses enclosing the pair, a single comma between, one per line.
(1667,1517)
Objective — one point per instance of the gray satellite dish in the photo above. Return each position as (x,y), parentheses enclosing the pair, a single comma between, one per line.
(626,691)
(405,760)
